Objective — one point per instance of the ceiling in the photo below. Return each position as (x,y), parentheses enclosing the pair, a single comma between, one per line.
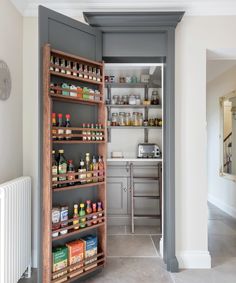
(216,68)
(74,8)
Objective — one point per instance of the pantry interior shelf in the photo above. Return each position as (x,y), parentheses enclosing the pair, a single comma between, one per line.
(71,99)
(79,231)
(134,127)
(131,85)
(76,142)
(67,188)
(133,106)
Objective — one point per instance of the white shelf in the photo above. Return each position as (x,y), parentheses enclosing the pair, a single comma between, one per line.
(134,159)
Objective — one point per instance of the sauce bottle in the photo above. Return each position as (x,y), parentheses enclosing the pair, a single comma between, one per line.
(81,214)
(94,206)
(88,167)
(68,125)
(100,168)
(54,169)
(95,169)
(54,124)
(62,167)
(60,124)
(84,133)
(71,172)
(75,216)
(99,208)
(64,217)
(89,211)
(82,171)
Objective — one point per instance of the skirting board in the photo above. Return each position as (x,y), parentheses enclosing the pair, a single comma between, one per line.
(194,259)
(222,205)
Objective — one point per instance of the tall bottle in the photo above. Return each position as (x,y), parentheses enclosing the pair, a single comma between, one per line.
(100,132)
(71,172)
(60,124)
(76,217)
(88,167)
(82,219)
(68,125)
(88,133)
(84,133)
(100,168)
(54,124)
(62,167)
(94,206)
(99,209)
(95,168)
(93,133)
(54,169)
(82,171)
(88,212)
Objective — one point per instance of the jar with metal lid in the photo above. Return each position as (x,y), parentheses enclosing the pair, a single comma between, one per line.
(114,119)
(122,119)
(127,119)
(155,100)
(132,100)
(140,119)
(135,119)
(125,99)
(115,99)
(138,99)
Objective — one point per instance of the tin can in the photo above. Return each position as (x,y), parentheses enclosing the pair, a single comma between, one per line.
(64,217)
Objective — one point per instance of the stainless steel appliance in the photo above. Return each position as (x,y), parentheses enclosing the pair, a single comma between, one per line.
(149,150)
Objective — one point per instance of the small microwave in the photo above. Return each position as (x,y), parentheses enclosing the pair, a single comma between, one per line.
(149,150)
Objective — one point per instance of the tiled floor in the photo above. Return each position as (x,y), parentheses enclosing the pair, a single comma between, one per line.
(135,258)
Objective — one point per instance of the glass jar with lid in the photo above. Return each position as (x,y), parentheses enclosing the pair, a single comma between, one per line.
(114,119)
(140,119)
(122,119)
(132,100)
(138,99)
(127,119)
(155,100)
(135,119)
(115,99)
(125,99)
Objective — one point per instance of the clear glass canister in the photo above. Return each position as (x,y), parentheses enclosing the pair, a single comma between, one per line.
(138,99)
(140,119)
(121,119)
(114,119)
(132,100)
(127,119)
(115,99)
(125,99)
(135,119)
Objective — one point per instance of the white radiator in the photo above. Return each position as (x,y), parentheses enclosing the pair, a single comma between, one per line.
(15,229)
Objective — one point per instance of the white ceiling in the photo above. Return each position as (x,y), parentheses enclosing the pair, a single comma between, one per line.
(216,68)
(75,8)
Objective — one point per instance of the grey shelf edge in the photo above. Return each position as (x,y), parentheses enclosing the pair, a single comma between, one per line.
(149,216)
(131,85)
(134,106)
(147,196)
(133,127)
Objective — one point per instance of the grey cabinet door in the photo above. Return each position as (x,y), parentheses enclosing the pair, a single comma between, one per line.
(117,196)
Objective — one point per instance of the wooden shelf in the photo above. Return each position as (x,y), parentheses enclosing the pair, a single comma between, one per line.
(71,99)
(77,232)
(131,85)
(71,77)
(100,261)
(133,106)
(77,142)
(76,187)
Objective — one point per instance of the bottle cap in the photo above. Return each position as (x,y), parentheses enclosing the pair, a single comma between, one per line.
(75,205)
(70,161)
(81,205)
(67,116)
(84,125)
(88,125)
(94,204)
(53,114)
(88,201)
(61,150)
(59,115)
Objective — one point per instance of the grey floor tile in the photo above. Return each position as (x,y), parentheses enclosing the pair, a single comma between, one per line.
(116,230)
(156,241)
(143,230)
(220,228)
(132,270)
(33,278)
(130,245)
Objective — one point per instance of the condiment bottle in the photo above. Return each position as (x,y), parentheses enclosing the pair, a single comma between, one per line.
(68,66)
(64,217)
(97,133)
(94,74)
(71,172)
(60,124)
(89,211)
(100,132)
(93,138)
(100,168)
(62,167)
(99,208)
(94,206)
(56,215)
(88,133)
(82,171)
(88,167)
(54,124)
(57,63)
(63,65)
(54,169)
(84,133)
(80,70)
(98,75)
(51,63)
(90,73)
(85,71)
(68,125)
(75,69)
(81,214)
(95,169)
(76,217)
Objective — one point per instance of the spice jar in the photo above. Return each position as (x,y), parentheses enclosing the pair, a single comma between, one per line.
(125,99)
(132,100)
(151,122)
(127,119)
(98,75)
(81,71)
(90,73)
(138,99)
(155,98)
(135,119)
(140,119)
(122,119)
(114,119)
(115,99)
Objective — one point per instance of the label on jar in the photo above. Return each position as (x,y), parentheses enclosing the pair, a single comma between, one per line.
(64,217)
(54,172)
(68,132)
(82,176)
(62,170)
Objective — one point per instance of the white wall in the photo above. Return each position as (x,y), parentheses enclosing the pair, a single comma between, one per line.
(30,119)
(221,191)
(11,110)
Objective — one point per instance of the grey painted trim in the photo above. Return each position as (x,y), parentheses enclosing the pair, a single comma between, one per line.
(134,59)
(133,19)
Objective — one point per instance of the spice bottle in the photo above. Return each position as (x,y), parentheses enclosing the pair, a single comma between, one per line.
(74,67)
(84,133)
(90,73)
(64,218)
(68,125)
(63,65)
(94,206)
(88,167)
(85,71)
(100,132)
(82,219)
(60,132)
(68,66)
(54,124)
(76,217)
(99,209)
(71,172)
(51,63)
(80,70)
(94,74)
(93,133)
(54,169)
(98,75)
(82,172)
(89,211)
(100,168)
(62,167)
(88,133)
(57,63)
(95,169)
(56,215)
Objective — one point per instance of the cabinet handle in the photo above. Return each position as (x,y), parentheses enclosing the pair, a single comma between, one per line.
(127,166)
(124,189)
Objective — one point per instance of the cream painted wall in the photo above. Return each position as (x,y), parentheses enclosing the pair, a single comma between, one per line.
(11,110)
(221,191)
(193,36)
(30,120)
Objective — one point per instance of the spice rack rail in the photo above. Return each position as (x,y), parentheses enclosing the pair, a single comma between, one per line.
(99,260)
(52,94)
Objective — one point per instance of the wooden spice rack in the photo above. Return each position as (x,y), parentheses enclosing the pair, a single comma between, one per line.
(52,95)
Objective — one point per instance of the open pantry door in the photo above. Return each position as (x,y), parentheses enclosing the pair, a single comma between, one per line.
(68,36)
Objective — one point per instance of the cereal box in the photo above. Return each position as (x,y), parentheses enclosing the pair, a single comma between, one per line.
(90,249)
(75,254)
(59,261)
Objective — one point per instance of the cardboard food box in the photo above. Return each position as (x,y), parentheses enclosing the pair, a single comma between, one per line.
(75,255)
(90,249)
(59,261)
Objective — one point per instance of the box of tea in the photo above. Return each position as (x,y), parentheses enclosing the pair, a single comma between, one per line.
(75,255)
(59,261)
(90,249)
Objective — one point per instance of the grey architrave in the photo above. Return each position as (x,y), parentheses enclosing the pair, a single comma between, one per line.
(158,23)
